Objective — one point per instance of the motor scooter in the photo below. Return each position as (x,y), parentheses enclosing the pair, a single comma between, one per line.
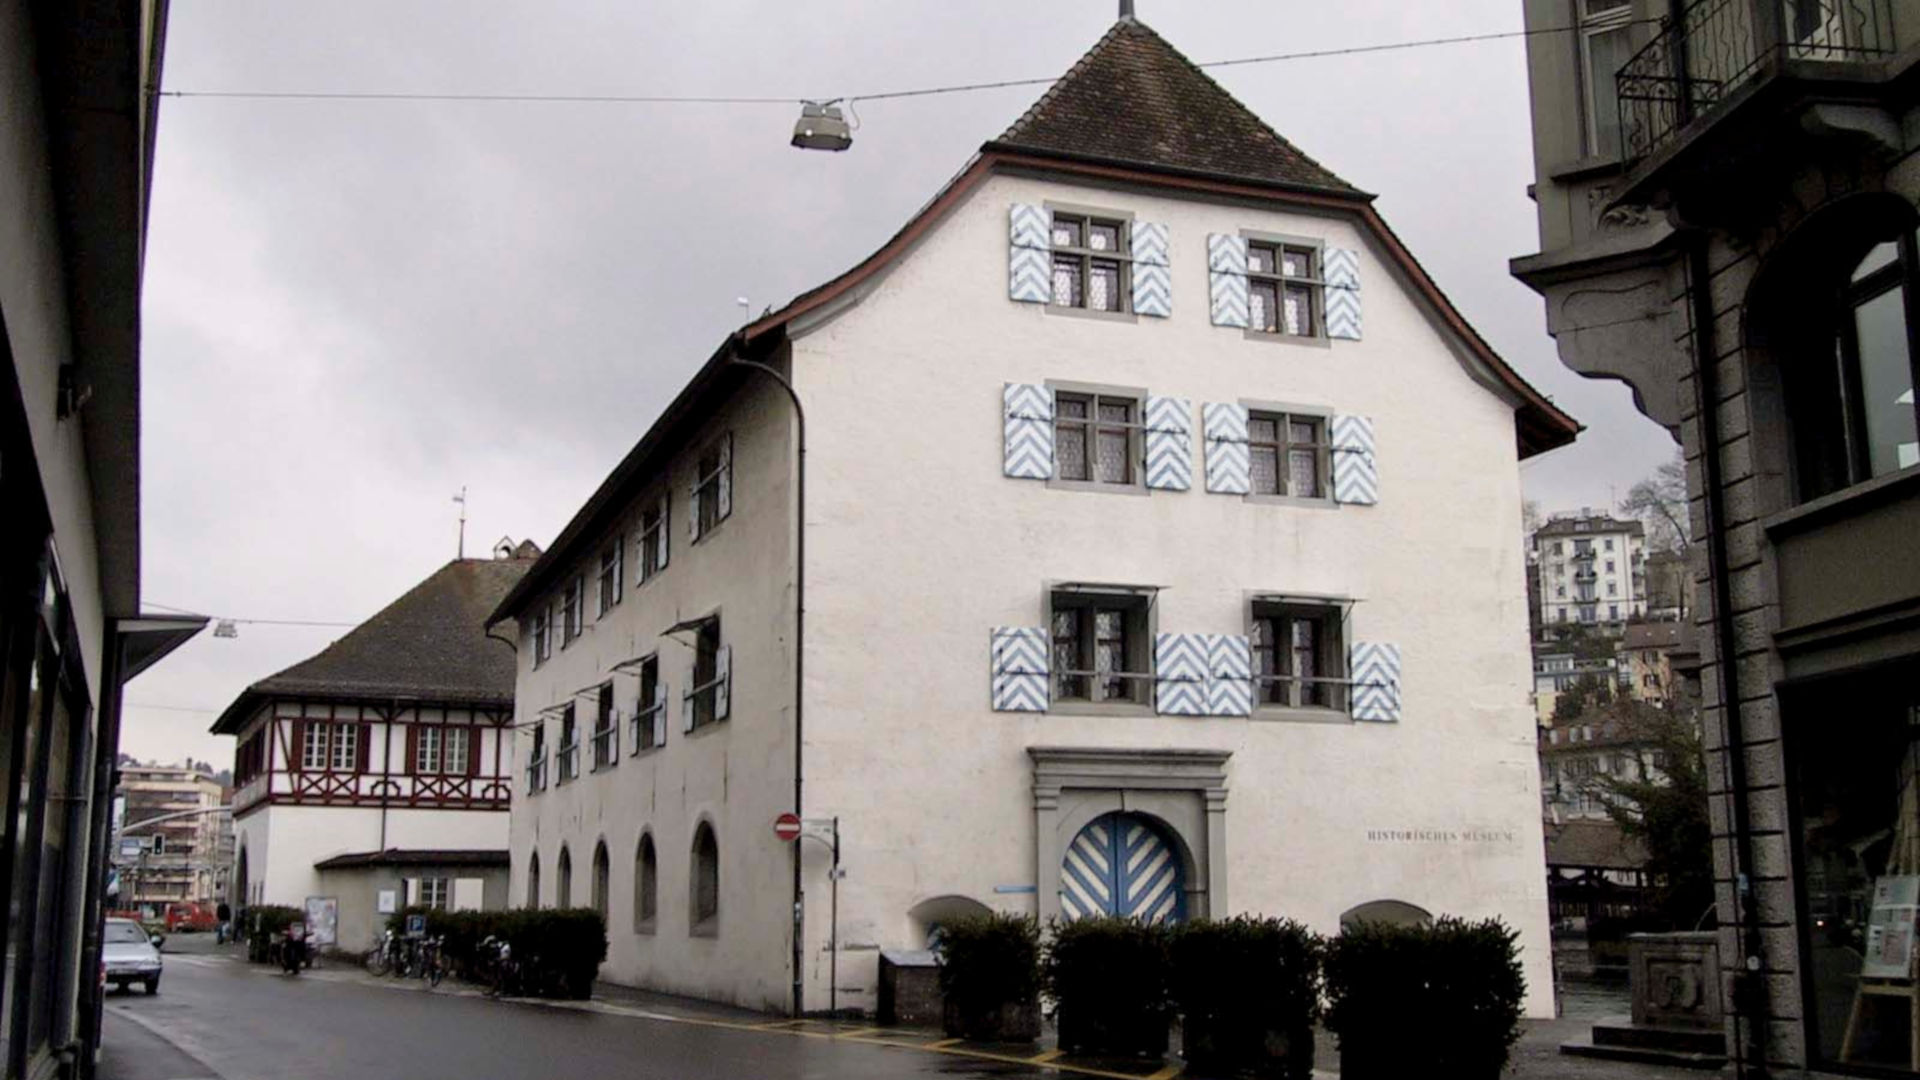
(293,948)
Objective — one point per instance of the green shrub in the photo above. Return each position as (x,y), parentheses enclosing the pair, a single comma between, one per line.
(1248,992)
(990,976)
(1414,1000)
(559,950)
(264,923)
(1108,979)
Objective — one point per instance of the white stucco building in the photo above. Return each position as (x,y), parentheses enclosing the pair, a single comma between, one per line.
(1592,569)
(382,764)
(1157,505)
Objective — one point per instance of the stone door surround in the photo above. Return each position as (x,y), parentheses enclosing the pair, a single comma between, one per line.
(1186,790)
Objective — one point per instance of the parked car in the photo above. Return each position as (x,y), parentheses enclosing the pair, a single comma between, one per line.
(131,955)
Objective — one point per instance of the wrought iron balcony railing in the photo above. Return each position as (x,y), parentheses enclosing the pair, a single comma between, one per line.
(1715,46)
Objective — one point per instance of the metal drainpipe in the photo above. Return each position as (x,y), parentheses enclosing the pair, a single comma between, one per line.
(1749,1003)
(799,652)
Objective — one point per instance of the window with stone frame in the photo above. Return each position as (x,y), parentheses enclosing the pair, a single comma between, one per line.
(606,734)
(1097,438)
(1606,44)
(1288,454)
(1102,646)
(1299,654)
(573,602)
(542,635)
(653,539)
(569,750)
(647,706)
(715,472)
(706,671)
(1284,288)
(612,575)
(1091,263)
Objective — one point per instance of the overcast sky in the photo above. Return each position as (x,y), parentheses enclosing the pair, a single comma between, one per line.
(354,308)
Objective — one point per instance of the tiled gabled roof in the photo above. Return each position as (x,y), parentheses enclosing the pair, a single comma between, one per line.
(1133,99)
(428,645)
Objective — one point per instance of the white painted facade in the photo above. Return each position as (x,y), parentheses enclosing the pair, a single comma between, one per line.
(919,546)
(1592,570)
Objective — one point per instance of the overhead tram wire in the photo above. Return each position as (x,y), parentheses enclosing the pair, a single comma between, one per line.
(959,88)
(246,621)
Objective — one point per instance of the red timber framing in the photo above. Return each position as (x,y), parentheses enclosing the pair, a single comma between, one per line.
(382,763)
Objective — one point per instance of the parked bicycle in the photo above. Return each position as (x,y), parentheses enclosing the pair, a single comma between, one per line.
(387,955)
(433,964)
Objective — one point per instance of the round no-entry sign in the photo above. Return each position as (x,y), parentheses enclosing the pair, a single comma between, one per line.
(787,827)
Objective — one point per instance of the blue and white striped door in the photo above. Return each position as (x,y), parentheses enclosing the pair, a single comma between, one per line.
(1121,864)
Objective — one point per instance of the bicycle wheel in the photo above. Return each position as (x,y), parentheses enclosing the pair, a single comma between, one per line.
(435,972)
(377,963)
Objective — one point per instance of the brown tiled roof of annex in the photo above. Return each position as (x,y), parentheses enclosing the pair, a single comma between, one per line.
(1134,99)
(430,644)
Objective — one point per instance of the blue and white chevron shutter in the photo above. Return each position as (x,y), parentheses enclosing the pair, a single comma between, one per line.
(1169,443)
(1180,674)
(1229,675)
(1226,430)
(1227,279)
(1356,477)
(1027,450)
(1030,256)
(1375,671)
(1152,275)
(723,687)
(1019,662)
(1341,270)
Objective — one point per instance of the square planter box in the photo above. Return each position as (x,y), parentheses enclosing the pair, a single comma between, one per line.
(1012,1021)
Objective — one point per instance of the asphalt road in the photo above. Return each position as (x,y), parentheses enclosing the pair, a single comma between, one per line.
(218,1018)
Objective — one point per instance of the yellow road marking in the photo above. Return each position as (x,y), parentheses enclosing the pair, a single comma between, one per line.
(859,1032)
(1167,1073)
(1046,1057)
(944,1043)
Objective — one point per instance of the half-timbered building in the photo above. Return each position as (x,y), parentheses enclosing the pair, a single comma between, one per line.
(392,742)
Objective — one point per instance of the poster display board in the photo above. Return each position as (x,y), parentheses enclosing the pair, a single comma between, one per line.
(323,921)
(1890,928)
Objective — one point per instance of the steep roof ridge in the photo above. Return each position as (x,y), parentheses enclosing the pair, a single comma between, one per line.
(1326,180)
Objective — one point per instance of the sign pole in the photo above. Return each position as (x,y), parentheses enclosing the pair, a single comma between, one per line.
(833,958)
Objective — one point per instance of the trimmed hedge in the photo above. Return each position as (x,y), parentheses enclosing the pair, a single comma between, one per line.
(264,923)
(990,977)
(1108,979)
(1443,1000)
(559,950)
(1248,993)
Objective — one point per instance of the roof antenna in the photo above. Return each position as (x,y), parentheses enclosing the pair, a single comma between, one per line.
(1126,9)
(462,500)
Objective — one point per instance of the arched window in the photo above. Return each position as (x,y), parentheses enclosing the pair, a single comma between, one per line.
(600,870)
(533,880)
(646,886)
(1830,311)
(704,893)
(1390,912)
(563,879)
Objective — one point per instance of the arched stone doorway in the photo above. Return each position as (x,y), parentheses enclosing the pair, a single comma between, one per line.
(1124,864)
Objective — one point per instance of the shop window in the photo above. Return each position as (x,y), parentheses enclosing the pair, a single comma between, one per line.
(1858,879)
(1833,322)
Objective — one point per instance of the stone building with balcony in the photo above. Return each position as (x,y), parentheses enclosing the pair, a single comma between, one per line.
(179,856)
(1726,193)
